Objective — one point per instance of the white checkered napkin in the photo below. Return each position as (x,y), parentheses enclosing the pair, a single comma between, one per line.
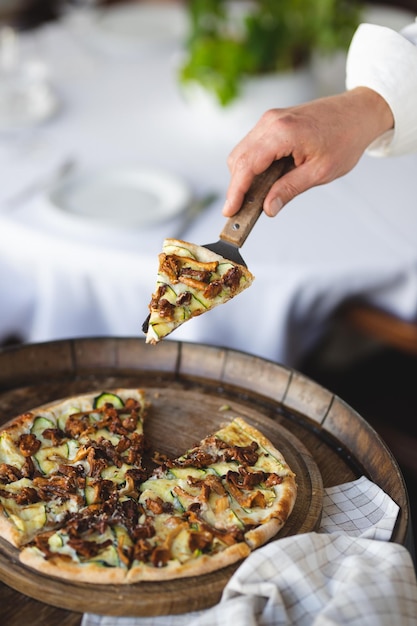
(360,509)
(346,574)
(325,579)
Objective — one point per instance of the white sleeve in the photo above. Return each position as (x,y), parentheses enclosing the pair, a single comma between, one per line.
(386,61)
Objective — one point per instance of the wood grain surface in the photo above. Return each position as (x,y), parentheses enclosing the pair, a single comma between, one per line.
(324,440)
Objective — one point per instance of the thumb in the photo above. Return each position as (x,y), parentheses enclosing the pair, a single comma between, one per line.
(286,188)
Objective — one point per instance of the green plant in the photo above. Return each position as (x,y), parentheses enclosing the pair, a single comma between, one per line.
(229,41)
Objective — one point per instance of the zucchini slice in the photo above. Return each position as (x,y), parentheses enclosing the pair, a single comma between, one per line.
(107,557)
(185,472)
(49,458)
(40,424)
(56,541)
(108,398)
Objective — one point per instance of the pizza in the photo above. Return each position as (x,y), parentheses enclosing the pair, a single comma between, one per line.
(191,280)
(80,502)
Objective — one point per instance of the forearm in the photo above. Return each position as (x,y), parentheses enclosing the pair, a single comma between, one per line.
(370,113)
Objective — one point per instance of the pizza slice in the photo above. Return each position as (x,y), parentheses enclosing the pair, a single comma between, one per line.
(191,280)
(233,479)
(214,504)
(58,459)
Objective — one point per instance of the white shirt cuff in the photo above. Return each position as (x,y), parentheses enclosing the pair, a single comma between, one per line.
(386,61)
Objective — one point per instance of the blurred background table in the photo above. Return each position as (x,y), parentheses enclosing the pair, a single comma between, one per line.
(118,105)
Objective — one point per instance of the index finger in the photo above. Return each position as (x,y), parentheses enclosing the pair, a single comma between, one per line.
(244,167)
(235,194)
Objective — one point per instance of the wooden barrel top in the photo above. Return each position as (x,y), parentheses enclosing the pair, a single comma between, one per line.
(326,440)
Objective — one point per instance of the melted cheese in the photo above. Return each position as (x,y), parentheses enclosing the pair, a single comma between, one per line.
(29,519)
(9,451)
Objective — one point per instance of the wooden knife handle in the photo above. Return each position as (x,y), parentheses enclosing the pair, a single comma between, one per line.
(238,227)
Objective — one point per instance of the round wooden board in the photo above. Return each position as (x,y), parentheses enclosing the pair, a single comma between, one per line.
(177,421)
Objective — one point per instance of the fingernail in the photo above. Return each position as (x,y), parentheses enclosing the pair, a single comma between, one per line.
(226,207)
(276,206)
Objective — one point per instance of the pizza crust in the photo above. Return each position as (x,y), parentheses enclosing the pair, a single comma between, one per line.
(256,435)
(61,567)
(23,422)
(200,253)
(20,424)
(203,564)
(281,512)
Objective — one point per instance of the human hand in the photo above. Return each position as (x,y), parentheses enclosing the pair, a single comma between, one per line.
(326,138)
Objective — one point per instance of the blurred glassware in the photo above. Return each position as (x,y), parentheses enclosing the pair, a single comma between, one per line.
(26,96)
(9,52)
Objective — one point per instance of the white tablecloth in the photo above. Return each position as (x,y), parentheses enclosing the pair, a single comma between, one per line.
(356,236)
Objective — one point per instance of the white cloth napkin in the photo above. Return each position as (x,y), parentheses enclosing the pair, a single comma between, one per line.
(347,573)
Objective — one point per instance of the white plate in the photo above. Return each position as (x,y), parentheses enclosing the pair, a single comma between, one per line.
(132,28)
(121,198)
